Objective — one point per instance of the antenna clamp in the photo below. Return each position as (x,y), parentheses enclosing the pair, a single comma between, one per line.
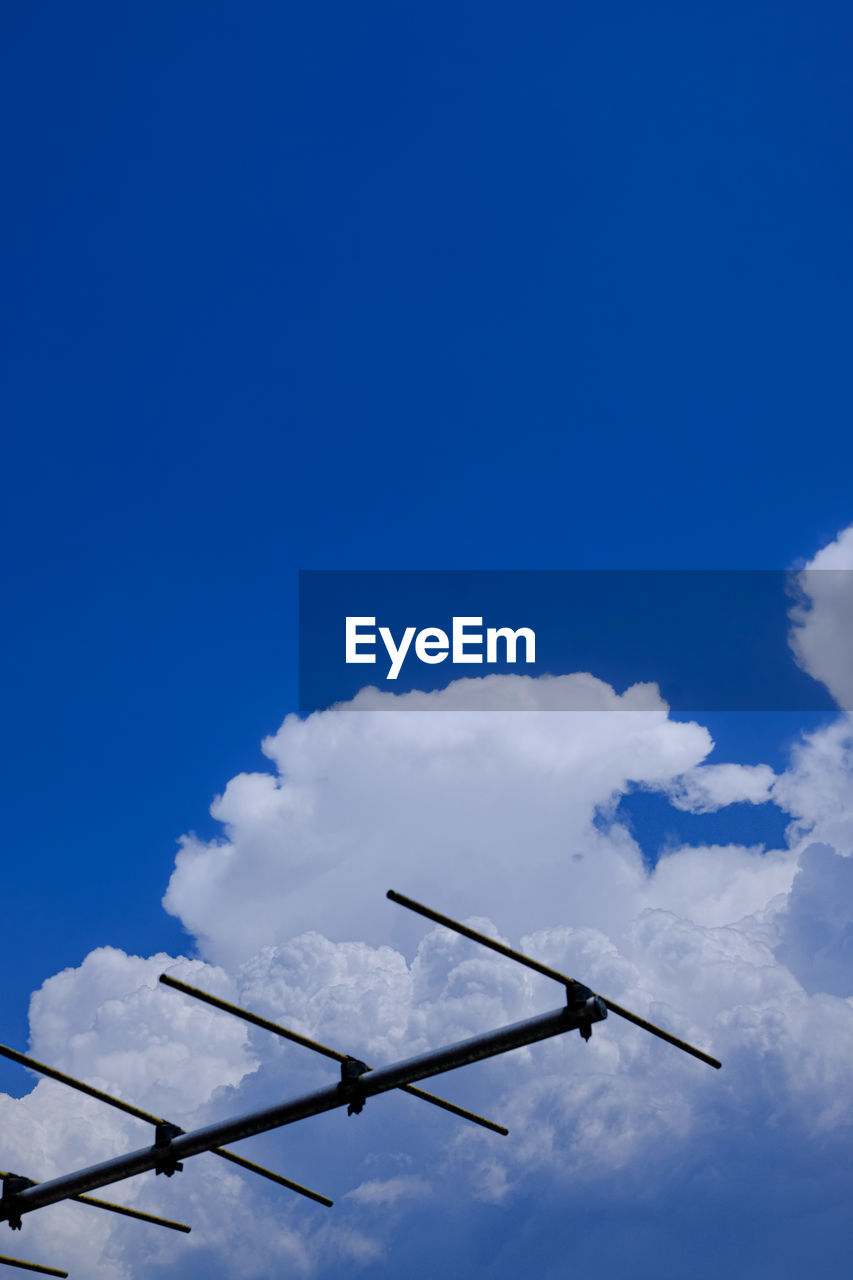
(351,1069)
(163,1135)
(586,1006)
(12,1184)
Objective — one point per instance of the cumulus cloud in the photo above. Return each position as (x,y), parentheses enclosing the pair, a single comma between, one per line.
(499,804)
(823,618)
(815,789)
(509,818)
(816,928)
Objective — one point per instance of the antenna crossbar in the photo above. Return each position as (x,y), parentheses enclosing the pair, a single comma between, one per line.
(273,1177)
(33,1266)
(294,1036)
(114,1208)
(133,1213)
(504,950)
(51,1072)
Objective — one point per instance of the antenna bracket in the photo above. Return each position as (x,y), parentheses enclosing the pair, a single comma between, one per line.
(12,1184)
(586,1006)
(163,1135)
(351,1069)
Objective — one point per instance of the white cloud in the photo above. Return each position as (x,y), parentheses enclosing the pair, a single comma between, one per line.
(816,929)
(712,786)
(823,618)
(815,790)
(108,1020)
(497,807)
(387,1191)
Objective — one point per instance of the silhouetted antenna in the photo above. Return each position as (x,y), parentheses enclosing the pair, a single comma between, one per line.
(33,1266)
(503,950)
(357,1083)
(343,1058)
(164,1131)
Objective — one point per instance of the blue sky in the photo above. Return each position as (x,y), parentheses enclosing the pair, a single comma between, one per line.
(398,286)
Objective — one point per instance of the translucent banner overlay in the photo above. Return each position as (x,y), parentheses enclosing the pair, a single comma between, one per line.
(716,640)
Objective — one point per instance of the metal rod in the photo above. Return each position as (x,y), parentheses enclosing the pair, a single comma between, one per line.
(132,1213)
(88,1089)
(661,1034)
(503,950)
(273,1177)
(486,941)
(33,1266)
(294,1036)
(115,1208)
(375,1082)
(454,1109)
(254,1018)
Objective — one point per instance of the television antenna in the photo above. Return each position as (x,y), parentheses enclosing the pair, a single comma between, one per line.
(358,1082)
